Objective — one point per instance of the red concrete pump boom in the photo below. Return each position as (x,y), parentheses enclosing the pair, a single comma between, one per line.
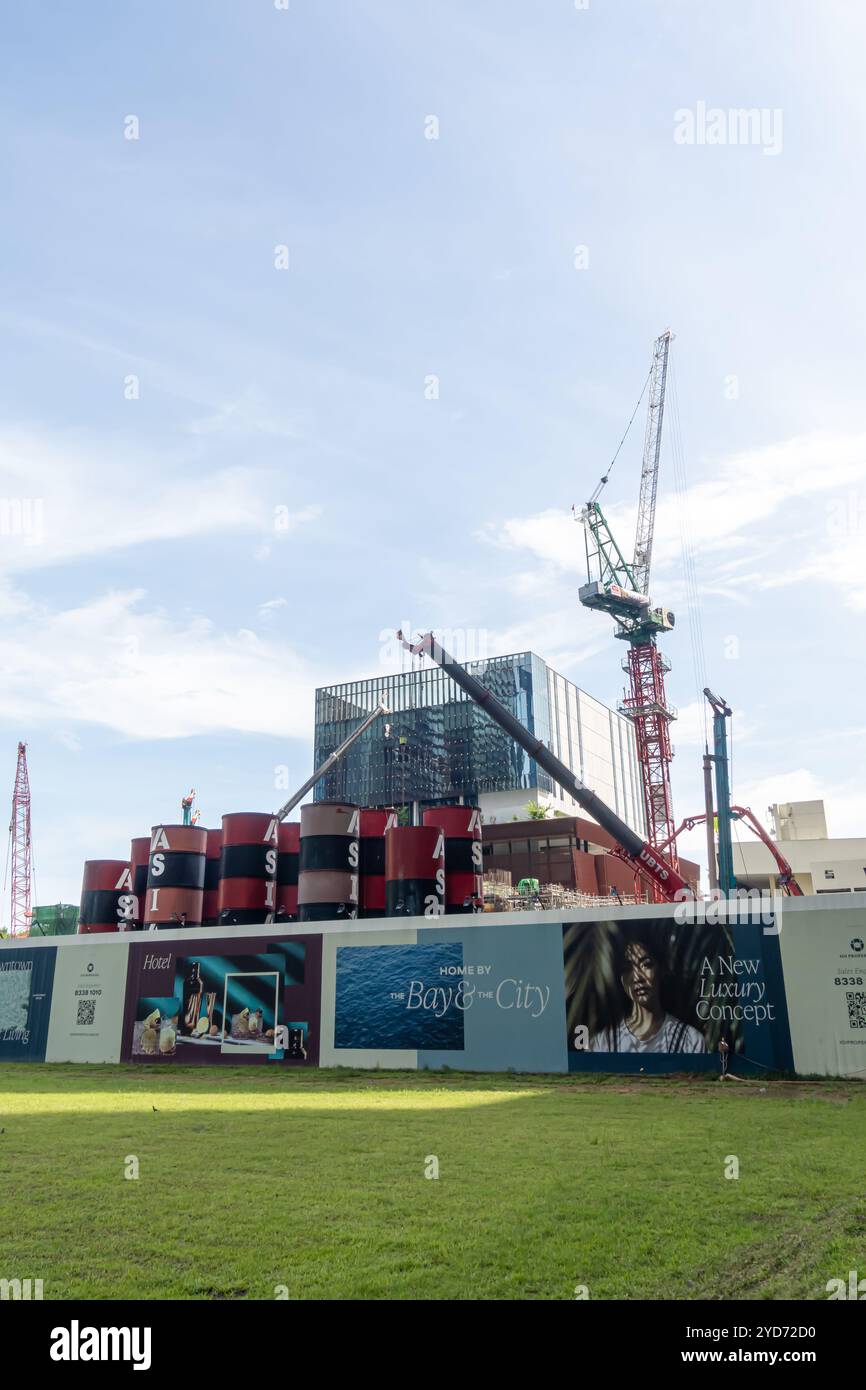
(787,882)
(641,856)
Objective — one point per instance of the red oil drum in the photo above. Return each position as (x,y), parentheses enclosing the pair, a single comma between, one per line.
(288,854)
(414,871)
(248,868)
(329,859)
(139,859)
(106,896)
(210,905)
(372,863)
(464,866)
(175,877)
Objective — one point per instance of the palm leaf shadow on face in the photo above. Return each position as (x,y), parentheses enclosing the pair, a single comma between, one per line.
(595,997)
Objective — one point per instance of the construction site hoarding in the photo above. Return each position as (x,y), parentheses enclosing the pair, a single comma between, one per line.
(687,988)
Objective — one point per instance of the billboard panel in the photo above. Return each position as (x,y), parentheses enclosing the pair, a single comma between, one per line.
(471,997)
(26,976)
(87,1003)
(237,1000)
(509,993)
(824,961)
(662,994)
(362,1043)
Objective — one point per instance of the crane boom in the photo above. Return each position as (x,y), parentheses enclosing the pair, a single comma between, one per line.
(649,478)
(642,856)
(332,758)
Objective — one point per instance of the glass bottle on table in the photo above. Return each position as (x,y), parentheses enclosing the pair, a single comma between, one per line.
(191,1004)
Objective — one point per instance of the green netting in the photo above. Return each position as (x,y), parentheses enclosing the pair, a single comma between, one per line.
(61,919)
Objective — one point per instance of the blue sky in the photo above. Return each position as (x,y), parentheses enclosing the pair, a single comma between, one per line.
(283,490)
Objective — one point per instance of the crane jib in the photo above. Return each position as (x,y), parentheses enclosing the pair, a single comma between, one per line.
(644,856)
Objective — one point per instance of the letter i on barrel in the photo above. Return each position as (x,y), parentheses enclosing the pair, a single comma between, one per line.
(248,869)
(175,877)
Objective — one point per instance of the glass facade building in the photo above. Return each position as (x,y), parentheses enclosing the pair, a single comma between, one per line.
(438,745)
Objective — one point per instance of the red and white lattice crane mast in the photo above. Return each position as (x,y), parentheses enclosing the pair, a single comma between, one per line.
(19,832)
(620,587)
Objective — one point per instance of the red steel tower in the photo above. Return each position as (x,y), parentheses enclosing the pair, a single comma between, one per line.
(621,588)
(19,829)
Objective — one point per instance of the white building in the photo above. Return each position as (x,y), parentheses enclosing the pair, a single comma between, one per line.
(820,865)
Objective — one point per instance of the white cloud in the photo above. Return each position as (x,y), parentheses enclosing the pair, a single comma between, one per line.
(271,606)
(145,675)
(727,515)
(63,499)
(248,414)
(68,740)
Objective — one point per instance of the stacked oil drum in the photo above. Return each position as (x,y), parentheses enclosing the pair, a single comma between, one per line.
(329,862)
(371,901)
(106,896)
(339,863)
(248,868)
(213,852)
(139,860)
(175,877)
(289,849)
(464,866)
(414,871)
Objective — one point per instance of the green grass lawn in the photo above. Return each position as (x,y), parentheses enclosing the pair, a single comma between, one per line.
(254,1178)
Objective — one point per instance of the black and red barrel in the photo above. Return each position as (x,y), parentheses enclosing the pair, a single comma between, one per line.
(329,861)
(210,905)
(175,877)
(414,871)
(139,858)
(105,886)
(289,850)
(464,865)
(248,868)
(371,890)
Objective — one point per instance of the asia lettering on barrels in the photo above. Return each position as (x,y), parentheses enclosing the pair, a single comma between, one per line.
(139,859)
(107,899)
(175,877)
(414,870)
(248,868)
(210,904)
(464,864)
(371,901)
(329,861)
(289,847)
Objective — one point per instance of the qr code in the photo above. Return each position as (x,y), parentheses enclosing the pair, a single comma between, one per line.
(87,1012)
(856,1008)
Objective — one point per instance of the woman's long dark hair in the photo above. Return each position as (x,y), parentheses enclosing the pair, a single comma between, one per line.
(595,960)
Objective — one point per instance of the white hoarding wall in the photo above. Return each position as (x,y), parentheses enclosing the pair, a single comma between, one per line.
(87,1003)
(824,963)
